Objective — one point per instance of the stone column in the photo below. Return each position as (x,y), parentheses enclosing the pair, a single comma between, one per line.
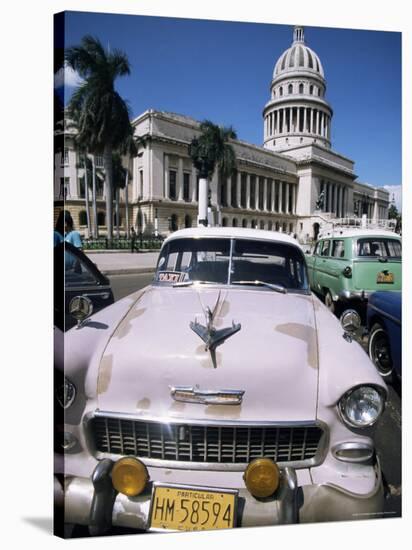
(248,191)
(280,183)
(298,119)
(238,188)
(293,198)
(193,182)
(166,177)
(287,198)
(278,121)
(290,119)
(257,187)
(317,122)
(265,194)
(329,209)
(180,179)
(311,121)
(229,191)
(272,206)
(305,119)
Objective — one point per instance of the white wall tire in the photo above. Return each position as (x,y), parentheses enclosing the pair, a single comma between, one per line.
(379,350)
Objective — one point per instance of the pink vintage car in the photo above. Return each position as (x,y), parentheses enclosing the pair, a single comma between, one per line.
(223,395)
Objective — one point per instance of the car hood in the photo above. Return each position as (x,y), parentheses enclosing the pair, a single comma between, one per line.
(273,359)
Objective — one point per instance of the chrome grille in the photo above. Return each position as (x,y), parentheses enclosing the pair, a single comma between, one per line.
(203,443)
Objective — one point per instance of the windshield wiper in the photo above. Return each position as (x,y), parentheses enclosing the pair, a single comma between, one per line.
(277,288)
(190,283)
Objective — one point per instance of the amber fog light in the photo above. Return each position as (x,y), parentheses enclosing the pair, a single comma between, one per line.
(129,476)
(261,477)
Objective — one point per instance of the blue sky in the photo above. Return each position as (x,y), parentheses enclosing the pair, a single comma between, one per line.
(221,71)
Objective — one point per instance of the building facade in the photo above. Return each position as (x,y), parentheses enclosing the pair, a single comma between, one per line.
(292,183)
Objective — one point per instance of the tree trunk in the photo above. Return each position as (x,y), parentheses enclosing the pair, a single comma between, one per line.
(117,212)
(108,170)
(86,194)
(126,198)
(203,201)
(94,200)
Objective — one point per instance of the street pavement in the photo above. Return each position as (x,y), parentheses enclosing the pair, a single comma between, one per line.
(124,263)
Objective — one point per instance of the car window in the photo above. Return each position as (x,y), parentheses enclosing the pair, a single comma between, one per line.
(325,249)
(218,260)
(317,248)
(377,247)
(76,272)
(338,249)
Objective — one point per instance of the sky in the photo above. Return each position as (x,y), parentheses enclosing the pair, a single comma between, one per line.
(221,71)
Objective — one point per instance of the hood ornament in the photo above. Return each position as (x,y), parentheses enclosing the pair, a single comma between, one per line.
(211,336)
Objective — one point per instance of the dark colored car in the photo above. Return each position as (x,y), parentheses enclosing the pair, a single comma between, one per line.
(77,275)
(384,319)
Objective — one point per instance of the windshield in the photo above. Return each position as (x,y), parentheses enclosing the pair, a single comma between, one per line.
(232,261)
(379,248)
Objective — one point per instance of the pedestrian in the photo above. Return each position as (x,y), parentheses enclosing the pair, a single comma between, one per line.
(70,234)
(133,238)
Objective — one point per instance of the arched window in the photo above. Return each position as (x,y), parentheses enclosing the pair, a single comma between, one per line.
(270,226)
(311,90)
(277,226)
(234,222)
(281,91)
(262,224)
(173,223)
(301,88)
(101,218)
(244,222)
(82,217)
(188,221)
(290,89)
(224,222)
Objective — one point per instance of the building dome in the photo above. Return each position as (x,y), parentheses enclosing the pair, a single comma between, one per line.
(297,113)
(298,57)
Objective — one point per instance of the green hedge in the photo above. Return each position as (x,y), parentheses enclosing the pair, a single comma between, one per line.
(121,244)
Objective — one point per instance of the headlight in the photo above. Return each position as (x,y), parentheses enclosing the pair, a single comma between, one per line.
(362,406)
(66,393)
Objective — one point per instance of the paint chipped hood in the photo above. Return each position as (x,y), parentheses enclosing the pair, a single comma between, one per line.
(273,358)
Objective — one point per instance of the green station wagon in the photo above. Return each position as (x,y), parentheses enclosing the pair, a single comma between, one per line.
(349,264)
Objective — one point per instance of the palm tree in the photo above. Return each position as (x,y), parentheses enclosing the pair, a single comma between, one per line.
(101,113)
(210,150)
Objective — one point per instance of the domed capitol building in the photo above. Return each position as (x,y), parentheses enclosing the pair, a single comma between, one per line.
(292,183)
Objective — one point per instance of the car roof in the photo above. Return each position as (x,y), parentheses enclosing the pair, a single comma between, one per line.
(233,233)
(357,233)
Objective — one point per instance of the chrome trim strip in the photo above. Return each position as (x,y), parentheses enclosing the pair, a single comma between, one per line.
(207,422)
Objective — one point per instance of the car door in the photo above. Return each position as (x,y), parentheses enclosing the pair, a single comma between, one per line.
(311,258)
(82,278)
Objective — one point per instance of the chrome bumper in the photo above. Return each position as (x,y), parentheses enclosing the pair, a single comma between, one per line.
(354,294)
(94,503)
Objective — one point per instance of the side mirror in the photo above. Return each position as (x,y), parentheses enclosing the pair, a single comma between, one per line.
(351,322)
(80,308)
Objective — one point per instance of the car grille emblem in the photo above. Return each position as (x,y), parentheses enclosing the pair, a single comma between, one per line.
(190,394)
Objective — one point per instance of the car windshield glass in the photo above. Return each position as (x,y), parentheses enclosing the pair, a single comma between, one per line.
(378,247)
(226,261)
(269,262)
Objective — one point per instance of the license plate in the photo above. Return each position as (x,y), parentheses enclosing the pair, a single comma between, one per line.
(191,509)
(385,277)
